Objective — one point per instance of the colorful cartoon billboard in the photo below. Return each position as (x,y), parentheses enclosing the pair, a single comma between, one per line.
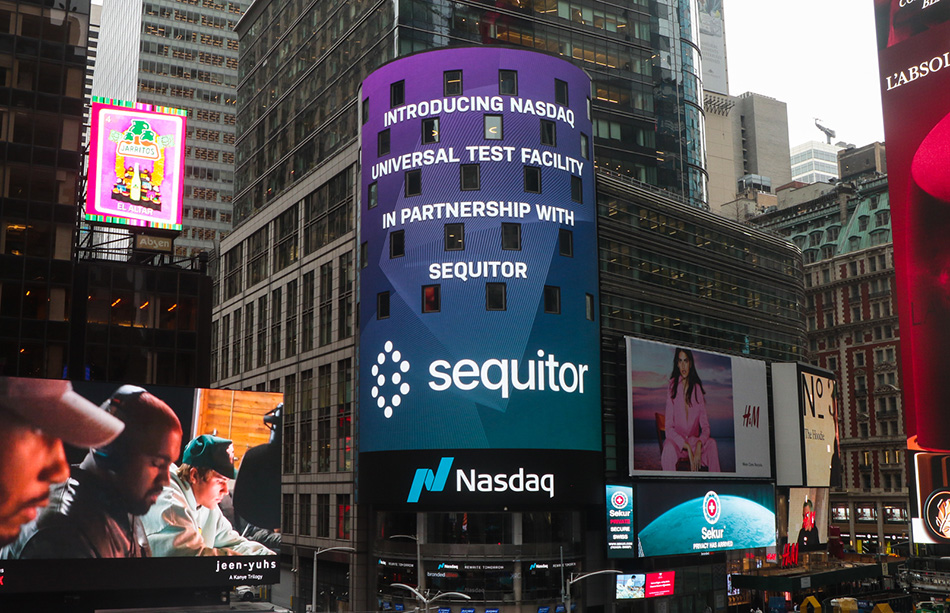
(136,165)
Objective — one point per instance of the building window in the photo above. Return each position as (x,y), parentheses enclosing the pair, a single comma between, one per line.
(345,312)
(585,146)
(364,254)
(430,130)
(560,92)
(511,236)
(275,321)
(325,324)
(454,237)
(382,305)
(365,111)
(397,244)
(323,516)
(372,199)
(496,298)
(343,516)
(397,94)
(552,299)
(589,303)
(470,177)
(413,183)
(452,82)
(565,241)
(431,298)
(548,133)
(290,345)
(508,82)
(532,179)
(493,127)
(382,143)
(577,189)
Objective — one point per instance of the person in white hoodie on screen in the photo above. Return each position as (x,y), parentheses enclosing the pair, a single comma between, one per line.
(186,519)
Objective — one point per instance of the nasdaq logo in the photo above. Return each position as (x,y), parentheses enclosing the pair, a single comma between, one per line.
(426,479)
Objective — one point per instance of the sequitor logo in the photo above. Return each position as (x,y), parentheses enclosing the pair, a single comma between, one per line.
(389,389)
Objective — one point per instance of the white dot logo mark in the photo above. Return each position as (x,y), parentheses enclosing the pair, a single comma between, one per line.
(387,402)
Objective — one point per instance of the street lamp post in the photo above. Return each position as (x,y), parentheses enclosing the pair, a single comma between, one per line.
(317,552)
(566,593)
(421,577)
(427,601)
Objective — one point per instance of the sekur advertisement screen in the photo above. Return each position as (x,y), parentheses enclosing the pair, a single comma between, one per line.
(108,486)
(702,517)
(478,221)
(913,57)
(696,411)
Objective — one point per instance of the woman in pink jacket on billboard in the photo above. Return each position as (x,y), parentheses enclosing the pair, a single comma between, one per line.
(687,424)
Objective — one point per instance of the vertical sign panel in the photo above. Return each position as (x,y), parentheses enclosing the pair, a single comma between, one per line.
(914,57)
(479,341)
(137,164)
(620,522)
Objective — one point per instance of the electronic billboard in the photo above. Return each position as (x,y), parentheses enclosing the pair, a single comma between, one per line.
(136,165)
(805,399)
(114,487)
(478,221)
(913,62)
(678,517)
(711,416)
(808,515)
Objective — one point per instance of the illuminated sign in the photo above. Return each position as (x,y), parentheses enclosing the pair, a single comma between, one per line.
(913,60)
(81,545)
(806,402)
(711,417)
(153,243)
(647,585)
(136,165)
(807,518)
(620,542)
(478,217)
(702,517)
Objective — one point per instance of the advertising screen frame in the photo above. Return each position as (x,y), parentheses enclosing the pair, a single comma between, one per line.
(238,416)
(803,403)
(913,61)
(736,406)
(447,418)
(668,511)
(161,201)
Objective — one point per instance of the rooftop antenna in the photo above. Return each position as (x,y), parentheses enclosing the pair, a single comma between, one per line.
(829,133)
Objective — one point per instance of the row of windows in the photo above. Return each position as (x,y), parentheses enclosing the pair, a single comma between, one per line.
(452,86)
(454,240)
(470,180)
(496,299)
(493,129)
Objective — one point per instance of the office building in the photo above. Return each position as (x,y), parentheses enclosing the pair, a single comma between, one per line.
(42,132)
(287,322)
(747,148)
(845,235)
(181,55)
(815,161)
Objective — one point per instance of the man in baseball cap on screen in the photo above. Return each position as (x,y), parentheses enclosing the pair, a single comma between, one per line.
(36,417)
(186,519)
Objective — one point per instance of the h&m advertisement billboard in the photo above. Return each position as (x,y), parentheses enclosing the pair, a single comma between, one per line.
(914,56)
(695,411)
(479,340)
(116,487)
(136,165)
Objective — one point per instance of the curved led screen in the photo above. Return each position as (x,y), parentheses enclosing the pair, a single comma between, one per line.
(479,349)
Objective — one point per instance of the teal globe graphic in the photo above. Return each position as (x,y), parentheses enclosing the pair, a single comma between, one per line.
(744,522)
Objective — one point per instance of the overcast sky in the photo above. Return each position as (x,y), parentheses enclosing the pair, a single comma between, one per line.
(817,56)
